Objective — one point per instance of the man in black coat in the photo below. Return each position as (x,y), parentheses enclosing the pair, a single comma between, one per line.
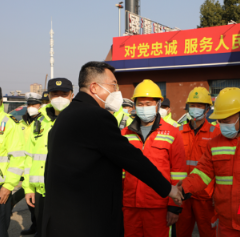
(86,155)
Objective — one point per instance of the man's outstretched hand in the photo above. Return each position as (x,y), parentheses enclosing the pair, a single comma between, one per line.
(176,194)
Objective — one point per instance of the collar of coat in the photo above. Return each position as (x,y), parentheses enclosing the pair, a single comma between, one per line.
(136,124)
(86,98)
(203,128)
(28,119)
(48,113)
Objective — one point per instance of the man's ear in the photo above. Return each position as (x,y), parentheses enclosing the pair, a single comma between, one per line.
(169,110)
(93,88)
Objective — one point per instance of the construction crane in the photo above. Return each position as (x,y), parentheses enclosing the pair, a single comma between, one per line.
(45,86)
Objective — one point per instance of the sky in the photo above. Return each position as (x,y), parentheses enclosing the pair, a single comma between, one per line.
(83,32)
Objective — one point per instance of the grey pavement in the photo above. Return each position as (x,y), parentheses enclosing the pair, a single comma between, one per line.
(21,219)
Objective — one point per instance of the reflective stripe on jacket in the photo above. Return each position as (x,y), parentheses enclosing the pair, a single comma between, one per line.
(195,146)
(222,161)
(11,151)
(36,155)
(164,148)
(169,120)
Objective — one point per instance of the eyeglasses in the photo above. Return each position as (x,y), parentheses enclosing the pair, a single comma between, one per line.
(116,87)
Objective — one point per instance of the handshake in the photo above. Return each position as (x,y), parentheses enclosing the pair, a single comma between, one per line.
(176,193)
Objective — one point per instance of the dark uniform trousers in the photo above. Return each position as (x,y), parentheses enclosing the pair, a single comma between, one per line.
(39,205)
(16,198)
(5,216)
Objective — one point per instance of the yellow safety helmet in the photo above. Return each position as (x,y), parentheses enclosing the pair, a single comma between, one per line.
(227,103)
(199,95)
(147,88)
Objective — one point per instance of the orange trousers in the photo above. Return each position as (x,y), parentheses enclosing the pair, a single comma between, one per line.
(223,231)
(145,222)
(200,211)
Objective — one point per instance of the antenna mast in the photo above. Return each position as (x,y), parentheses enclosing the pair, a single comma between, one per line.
(51,51)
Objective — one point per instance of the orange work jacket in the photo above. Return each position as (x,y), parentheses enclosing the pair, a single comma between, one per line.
(195,146)
(164,148)
(221,161)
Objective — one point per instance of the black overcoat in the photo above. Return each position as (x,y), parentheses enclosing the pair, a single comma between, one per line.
(83,175)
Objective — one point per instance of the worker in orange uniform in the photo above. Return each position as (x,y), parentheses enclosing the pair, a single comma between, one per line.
(196,134)
(221,161)
(146,214)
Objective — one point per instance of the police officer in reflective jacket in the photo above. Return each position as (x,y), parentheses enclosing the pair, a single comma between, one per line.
(123,115)
(11,163)
(33,105)
(60,94)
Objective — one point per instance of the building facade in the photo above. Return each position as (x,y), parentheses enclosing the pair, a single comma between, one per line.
(179,61)
(36,88)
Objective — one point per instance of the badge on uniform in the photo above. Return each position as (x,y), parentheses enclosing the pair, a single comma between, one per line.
(2,128)
(14,119)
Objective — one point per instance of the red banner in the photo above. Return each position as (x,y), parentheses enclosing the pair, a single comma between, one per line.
(211,40)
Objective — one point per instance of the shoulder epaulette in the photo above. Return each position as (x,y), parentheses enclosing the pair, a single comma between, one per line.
(181,128)
(14,119)
(212,128)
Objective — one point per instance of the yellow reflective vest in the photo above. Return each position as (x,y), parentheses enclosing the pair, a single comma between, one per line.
(123,119)
(11,151)
(169,120)
(26,128)
(36,151)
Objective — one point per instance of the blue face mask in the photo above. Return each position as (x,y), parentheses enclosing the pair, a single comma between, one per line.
(196,113)
(229,130)
(125,110)
(146,114)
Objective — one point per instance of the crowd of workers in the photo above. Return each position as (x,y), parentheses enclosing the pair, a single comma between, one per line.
(201,159)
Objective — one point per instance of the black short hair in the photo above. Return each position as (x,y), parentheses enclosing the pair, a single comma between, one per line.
(90,70)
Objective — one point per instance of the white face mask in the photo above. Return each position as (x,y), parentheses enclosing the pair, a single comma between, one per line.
(32,111)
(60,103)
(163,112)
(114,100)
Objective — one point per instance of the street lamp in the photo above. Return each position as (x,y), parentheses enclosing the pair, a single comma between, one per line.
(119,6)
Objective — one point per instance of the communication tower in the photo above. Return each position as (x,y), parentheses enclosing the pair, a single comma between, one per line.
(51,51)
